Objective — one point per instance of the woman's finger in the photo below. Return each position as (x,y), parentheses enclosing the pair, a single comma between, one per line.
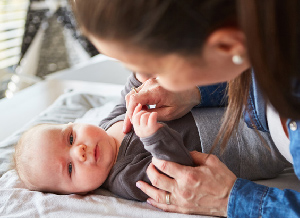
(133,91)
(165,207)
(137,109)
(127,125)
(133,100)
(158,195)
(172,169)
(136,116)
(127,122)
(160,180)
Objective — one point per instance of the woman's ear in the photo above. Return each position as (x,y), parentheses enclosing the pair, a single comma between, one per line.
(228,41)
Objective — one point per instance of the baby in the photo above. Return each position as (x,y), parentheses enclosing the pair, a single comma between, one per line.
(79,158)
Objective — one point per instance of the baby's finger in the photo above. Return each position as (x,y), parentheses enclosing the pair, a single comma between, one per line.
(144,118)
(152,119)
(136,118)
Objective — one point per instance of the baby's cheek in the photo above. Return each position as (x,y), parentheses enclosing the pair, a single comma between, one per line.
(90,181)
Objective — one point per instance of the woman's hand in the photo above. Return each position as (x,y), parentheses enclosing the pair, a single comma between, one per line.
(203,189)
(169,105)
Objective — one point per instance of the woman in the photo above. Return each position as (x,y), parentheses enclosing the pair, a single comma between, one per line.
(190,43)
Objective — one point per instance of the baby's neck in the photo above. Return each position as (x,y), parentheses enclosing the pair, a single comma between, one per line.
(116,132)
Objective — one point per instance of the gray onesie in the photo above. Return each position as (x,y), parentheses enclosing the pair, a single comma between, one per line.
(171,142)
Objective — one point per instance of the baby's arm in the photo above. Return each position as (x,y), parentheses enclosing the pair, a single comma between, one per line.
(160,140)
(145,123)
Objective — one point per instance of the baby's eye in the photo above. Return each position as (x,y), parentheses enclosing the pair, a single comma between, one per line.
(71,139)
(70,168)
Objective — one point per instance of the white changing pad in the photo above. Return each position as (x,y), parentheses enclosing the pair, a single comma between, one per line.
(16,201)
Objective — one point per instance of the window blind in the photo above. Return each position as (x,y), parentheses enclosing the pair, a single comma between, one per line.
(12,21)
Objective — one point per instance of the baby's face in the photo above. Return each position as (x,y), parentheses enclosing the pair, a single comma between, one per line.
(71,158)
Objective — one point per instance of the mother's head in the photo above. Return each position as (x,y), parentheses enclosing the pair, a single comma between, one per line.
(184,43)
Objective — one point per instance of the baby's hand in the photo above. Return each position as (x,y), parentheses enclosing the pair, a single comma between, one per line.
(144,122)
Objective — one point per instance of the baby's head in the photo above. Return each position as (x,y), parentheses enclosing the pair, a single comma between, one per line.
(64,158)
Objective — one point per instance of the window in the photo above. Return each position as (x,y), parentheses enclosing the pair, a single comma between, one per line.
(12,21)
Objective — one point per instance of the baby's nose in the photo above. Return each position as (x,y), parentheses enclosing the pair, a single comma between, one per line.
(80,152)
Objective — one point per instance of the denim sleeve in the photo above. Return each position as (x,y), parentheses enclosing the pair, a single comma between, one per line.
(248,199)
(214,95)
(294,135)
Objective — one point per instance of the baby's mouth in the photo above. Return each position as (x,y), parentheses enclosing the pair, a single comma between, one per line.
(96,153)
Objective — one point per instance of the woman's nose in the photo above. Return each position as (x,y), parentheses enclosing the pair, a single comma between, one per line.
(80,152)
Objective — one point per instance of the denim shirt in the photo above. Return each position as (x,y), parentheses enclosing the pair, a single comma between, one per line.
(214,95)
(248,199)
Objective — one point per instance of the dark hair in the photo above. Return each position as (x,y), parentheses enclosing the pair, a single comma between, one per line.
(160,26)
(272,30)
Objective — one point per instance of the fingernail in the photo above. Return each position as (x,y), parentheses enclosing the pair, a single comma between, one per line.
(149,202)
(138,185)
